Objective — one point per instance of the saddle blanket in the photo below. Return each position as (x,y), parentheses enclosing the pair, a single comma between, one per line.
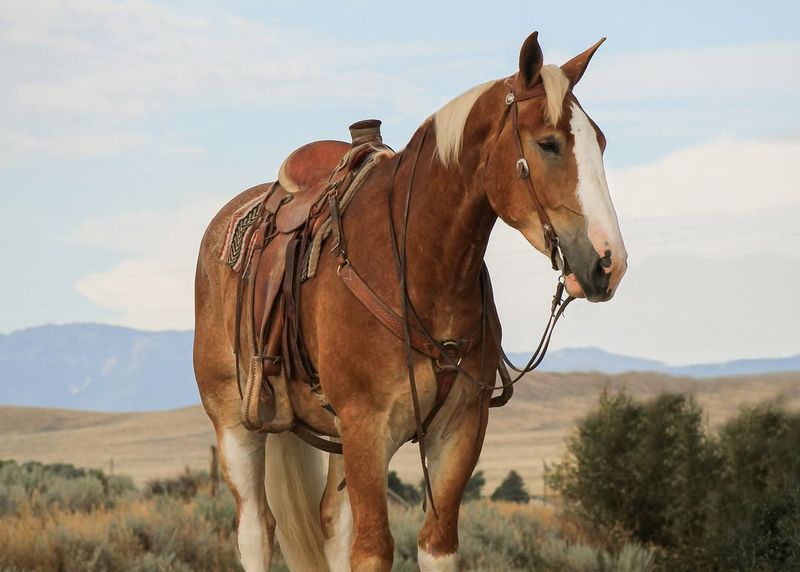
(237,238)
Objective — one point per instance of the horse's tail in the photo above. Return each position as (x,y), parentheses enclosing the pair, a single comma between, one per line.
(295,482)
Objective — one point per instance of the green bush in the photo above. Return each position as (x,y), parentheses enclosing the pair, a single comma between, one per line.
(643,469)
(512,489)
(649,471)
(757,503)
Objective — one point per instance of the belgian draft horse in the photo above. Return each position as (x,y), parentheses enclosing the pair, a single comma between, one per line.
(465,178)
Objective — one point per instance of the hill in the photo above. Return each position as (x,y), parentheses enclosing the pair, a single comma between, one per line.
(530,430)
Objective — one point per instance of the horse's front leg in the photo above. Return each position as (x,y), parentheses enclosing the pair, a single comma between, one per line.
(367,450)
(454,445)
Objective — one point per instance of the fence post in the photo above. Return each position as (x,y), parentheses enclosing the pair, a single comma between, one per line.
(214,471)
(544,480)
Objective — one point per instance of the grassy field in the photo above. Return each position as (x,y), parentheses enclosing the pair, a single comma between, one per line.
(60,518)
(529,431)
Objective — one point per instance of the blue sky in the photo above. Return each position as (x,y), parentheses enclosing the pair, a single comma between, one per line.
(127,124)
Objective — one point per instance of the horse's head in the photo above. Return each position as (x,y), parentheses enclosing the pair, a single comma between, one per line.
(543,166)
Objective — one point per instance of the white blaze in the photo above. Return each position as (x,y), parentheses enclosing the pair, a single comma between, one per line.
(592,191)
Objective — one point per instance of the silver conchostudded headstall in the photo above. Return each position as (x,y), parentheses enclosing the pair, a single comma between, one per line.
(523,172)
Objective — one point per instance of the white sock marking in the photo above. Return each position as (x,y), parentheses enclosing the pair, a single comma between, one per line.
(243,469)
(337,547)
(430,563)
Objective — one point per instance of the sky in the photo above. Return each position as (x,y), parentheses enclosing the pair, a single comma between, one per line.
(124,126)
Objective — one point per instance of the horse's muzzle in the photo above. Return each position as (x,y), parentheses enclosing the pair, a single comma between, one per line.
(596,276)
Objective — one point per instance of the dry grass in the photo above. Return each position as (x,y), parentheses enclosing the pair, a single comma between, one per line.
(171,533)
(157,534)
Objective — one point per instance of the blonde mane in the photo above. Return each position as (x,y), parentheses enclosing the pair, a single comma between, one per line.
(449,121)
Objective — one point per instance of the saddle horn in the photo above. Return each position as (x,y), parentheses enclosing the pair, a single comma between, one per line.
(366,131)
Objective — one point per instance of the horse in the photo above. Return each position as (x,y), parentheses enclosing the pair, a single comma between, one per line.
(521,149)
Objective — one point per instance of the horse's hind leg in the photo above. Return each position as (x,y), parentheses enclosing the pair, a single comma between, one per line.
(453,449)
(336,517)
(241,452)
(242,460)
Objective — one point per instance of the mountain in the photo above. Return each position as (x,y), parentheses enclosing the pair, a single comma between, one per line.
(108,368)
(97,367)
(595,359)
(589,359)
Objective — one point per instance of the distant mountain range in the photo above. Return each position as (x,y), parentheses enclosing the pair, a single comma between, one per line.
(595,359)
(108,368)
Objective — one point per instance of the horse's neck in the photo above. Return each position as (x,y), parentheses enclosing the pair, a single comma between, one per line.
(448,230)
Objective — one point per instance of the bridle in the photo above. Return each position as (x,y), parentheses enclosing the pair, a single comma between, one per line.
(513,97)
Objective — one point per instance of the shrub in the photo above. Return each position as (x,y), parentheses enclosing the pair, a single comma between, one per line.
(756,508)
(474,487)
(649,471)
(185,486)
(47,488)
(512,489)
(643,469)
(406,491)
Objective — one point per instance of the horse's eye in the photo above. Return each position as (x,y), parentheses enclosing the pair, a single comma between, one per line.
(549,145)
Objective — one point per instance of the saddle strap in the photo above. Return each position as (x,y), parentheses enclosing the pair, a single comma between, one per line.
(394,323)
(307,435)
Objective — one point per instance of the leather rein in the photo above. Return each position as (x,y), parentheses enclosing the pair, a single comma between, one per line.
(446,355)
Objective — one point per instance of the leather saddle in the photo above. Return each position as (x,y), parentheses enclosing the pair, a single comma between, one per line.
(290,214)
(310,164)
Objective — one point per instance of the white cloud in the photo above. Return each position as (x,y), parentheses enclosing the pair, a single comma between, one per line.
(152,286)
(88,78)
(99,69)
(147,293)
(724,176)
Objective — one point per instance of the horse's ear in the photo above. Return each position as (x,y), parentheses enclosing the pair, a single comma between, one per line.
(575,67)
(530,60)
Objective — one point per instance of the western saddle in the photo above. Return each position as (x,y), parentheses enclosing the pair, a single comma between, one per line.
(288,228)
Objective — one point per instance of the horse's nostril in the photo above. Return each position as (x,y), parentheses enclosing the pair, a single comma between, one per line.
(605,262)
(600,277)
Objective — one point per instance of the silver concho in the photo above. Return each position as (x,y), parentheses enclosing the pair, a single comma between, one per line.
(522,168)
